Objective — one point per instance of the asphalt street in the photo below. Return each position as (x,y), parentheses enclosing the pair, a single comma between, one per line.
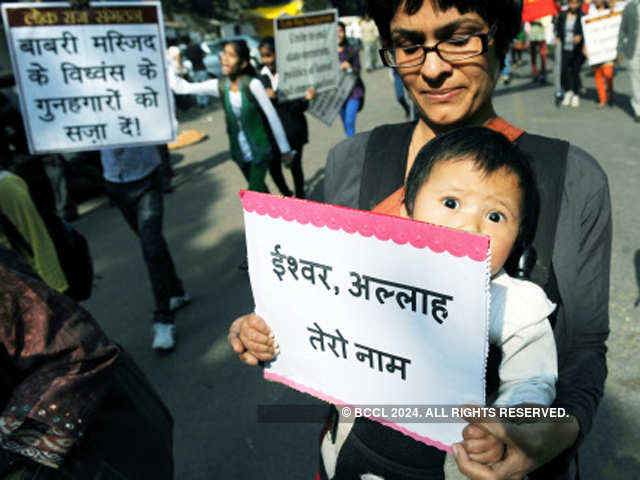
(214,397)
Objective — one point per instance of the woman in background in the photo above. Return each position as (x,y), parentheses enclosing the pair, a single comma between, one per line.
(291,113)
(350,62)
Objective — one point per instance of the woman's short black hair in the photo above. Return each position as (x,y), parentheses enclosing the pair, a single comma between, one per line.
(269,43)
(505,14)
(490,151)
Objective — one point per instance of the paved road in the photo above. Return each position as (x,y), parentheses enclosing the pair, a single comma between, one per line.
(213,397)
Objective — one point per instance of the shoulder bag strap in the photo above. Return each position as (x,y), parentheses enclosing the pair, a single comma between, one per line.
(385,163)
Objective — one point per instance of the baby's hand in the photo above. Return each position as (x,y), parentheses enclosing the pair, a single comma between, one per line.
(481,446)
(252,339)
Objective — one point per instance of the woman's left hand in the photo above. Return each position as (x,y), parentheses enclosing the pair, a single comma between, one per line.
(345,66)
(311,92)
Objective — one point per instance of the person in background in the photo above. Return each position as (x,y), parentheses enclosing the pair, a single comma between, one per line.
(134,183)
(245,103)
(569,38)
(400,97)
(629,48)
(350,62)
(370,41)
(195,53)
(538,45)
(603,72)
(291,113)
(73,405)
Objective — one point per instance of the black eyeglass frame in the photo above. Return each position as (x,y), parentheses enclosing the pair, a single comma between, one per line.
(484,38)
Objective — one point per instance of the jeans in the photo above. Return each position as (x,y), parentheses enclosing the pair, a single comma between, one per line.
(348,114)
(141,204)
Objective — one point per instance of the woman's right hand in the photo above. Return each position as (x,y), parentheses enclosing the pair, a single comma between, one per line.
(252,339)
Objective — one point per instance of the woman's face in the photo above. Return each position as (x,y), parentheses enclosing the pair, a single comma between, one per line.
(268,58)
(447,94)
(231,64)
(574,5)
(340,34)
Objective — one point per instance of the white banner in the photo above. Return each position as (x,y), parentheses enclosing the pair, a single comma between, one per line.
(325,106)
(90,79)
(370,309)
(601,35)
(307,53)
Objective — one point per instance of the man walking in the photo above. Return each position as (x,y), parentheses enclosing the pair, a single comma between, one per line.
(133,181)
(370,37)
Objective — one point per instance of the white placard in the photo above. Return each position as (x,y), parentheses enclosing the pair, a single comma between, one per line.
(90,79)
(601,35)
(307,53)
(370,309)
(326,105)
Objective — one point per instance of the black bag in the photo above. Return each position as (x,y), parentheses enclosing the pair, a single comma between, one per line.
(72,250)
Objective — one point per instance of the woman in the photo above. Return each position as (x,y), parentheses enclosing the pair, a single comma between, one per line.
(603,71)
(246,105)
(293,120)
(350,62)
(451,84)
(569,38)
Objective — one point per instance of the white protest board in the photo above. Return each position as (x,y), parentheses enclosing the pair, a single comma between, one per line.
(326,105)
(370,309)
(306,53)
(600,32)
(90,79)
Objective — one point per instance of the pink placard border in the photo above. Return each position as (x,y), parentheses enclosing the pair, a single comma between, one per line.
(339,403)
(367,224)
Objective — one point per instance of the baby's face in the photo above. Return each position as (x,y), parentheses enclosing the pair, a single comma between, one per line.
(456,195)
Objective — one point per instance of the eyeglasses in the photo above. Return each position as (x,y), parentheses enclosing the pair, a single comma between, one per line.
(450,50)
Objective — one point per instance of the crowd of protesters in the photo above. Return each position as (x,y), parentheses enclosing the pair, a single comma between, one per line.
(55,356)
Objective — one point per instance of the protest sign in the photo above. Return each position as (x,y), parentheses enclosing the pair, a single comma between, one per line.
(90,79)
(370,309)
(326,105)
(601,35)
(307,47)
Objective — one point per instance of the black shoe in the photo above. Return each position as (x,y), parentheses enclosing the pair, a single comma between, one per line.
(636,118)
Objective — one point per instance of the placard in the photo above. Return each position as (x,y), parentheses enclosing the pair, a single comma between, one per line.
(326,105)
(90,79)
(370,309)
(307,53)
(601,34)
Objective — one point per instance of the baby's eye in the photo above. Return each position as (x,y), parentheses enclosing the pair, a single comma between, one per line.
(451,203)
(496,217)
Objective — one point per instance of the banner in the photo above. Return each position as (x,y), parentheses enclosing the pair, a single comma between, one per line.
(90,79)
(325,106)
(535,9)
(307,47)
(601,35)
(370,309)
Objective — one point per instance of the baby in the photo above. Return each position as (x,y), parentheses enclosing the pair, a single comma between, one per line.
(475,179)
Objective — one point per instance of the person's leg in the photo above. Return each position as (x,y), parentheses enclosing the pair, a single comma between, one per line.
(351,111)
(201,76)
(298,174)
(533,49)
(608,71)
(506,71)
(598,72)
(164,280)
(343,115)
(565,78)
(543,58)
(634,73)
(257,174)
(275,169)
(399,88)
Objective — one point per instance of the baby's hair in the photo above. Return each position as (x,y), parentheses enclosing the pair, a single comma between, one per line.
(489,151)
(269,43)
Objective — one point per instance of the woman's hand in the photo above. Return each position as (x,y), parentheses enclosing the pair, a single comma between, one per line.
(345,66)
(311,92)
(577,39)
(270,93)
(252,339)
(481,446)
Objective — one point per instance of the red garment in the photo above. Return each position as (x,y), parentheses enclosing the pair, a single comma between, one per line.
(535,9)
(391,205)
(604,74)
